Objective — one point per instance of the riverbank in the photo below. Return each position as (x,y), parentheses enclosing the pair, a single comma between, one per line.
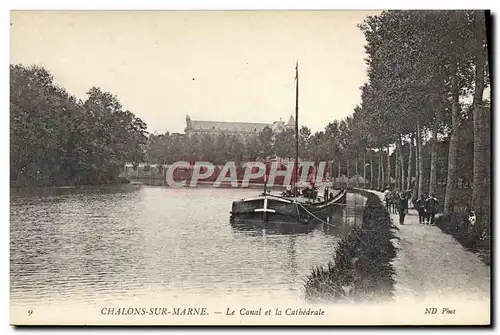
(227,184)
(456,226)
(409,264)
(361,269)
(432,265)
(48,183)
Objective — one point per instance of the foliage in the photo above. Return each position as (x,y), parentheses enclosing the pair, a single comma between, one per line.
(57,140)
(457,225)
(421,64)
(361,269)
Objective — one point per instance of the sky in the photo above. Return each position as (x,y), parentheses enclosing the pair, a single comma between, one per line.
(211,65)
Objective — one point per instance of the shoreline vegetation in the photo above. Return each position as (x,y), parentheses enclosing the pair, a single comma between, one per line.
(59,140)
(456,225)
(44,183)
(361,268)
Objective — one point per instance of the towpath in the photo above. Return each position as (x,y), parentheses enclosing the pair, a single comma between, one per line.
(432,265)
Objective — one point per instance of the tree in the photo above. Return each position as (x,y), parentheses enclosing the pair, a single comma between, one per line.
(236,148)
(402,93)
(457,42)
(304,137)
(265,140)
(57,140)
(284,144)
(481,117)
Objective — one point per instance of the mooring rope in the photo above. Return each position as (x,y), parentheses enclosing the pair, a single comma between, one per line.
(324,222)
(327,222)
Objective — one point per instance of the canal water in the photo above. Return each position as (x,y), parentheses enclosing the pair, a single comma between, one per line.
(114,244)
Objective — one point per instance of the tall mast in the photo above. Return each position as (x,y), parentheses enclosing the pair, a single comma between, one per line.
(296,127)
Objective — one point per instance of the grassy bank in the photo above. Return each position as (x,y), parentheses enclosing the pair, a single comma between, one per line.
(361,268)
(62,183)
(457,226)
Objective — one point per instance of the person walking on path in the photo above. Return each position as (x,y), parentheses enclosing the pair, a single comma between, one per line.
(407,197)
(414,197)
(431,265)
(387,198)
(395,201)
(431,204)
(402,207)
(419,204)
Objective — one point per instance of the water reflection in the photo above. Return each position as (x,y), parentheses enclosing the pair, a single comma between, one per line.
(252,227)
(292,256)
(104,243)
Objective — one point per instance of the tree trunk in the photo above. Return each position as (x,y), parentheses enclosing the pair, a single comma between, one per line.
(420,161)
(432,178)
(356,165)
(397,163)
(378,173)
(481,201)
(357,173)
(417,162)
(333,169)
(410,162)
(396,166)
(371,169)
(347,163)
(382,186)
(388,167)
(401,164)
(481,162)
(364,168)
(449,200)
(338,169)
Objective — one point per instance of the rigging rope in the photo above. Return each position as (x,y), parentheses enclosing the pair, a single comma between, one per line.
(317,218)
(298,204)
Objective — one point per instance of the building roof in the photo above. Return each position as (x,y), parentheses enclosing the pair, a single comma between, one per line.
(278,126)
(291,121)
(227,126)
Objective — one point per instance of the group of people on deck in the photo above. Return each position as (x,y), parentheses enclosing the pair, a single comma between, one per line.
(399,201)
(311,192)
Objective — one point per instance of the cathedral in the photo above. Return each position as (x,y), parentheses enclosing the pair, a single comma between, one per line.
(234,128)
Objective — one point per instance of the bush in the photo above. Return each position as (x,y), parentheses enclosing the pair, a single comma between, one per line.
(124,181)
(361,269)
(476,241)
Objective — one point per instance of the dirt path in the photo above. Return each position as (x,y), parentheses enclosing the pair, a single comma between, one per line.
(432,265)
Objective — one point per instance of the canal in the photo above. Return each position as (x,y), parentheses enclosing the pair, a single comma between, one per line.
(110,244)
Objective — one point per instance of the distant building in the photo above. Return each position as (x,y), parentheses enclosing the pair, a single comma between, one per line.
(234,128)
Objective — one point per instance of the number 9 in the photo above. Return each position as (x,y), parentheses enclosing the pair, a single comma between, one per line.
(30,311)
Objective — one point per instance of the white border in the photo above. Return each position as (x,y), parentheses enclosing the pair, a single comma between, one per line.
(179,4)
(255,4)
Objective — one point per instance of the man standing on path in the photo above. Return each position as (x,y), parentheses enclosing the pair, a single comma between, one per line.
(402,207)
(408,197)
(421,209)
(414,196)
(431,208)
(387,198)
